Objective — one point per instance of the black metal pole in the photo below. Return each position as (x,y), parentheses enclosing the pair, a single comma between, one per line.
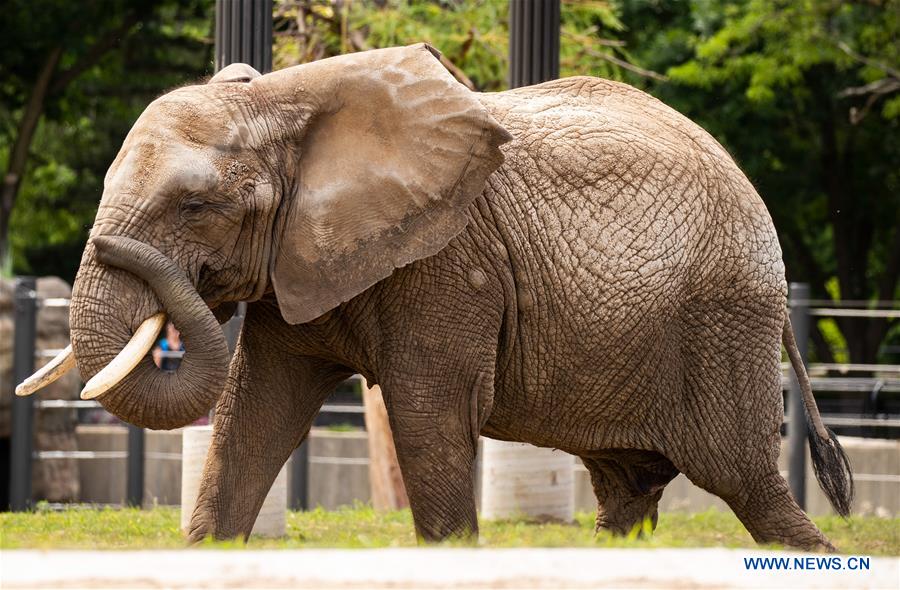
(299,475)
(232,327)
(21,445)
(244,33)
(134,492)
(533,41)
(799,306)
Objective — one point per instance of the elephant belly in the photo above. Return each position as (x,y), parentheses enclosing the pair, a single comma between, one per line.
(591,366)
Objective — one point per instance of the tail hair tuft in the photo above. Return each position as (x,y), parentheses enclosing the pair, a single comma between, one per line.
(832,468)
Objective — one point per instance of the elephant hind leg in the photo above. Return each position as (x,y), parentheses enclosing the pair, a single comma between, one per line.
(628,485)
(765,506)
(727,438)
(436,442)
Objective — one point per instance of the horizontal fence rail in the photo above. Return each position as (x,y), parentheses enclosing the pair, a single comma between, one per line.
(53,301)
(54,404)
(872,422)
(163,456)
(339,460)
(856,421)
(848,303)
(846,368)
(849,384)
(854,313)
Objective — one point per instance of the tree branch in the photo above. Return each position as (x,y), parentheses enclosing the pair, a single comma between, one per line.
(627,66)
(95,53)
(866,60)
(878,87)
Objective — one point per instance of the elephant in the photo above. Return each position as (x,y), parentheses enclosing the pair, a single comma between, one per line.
(573,264)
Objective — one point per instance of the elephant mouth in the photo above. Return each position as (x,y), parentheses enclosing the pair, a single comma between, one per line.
(121,375)
(137,348)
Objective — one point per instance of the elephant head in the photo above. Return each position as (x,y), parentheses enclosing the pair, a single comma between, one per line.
(313,182)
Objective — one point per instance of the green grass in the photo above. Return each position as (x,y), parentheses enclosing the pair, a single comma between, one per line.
(362,527)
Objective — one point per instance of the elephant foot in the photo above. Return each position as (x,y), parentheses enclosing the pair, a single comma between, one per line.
(200,531)
(768,510)
(628,485)
(809,538)
(204,525)
(197,532)
(635,516)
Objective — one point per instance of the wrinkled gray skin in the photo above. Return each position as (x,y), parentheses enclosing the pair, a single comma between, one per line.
(606,282)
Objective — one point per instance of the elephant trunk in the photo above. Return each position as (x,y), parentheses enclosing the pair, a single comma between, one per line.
(121,283)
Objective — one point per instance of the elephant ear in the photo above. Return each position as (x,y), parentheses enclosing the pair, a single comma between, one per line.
(392,155)
(236,72)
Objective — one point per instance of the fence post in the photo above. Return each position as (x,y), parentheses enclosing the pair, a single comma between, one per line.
(533,41)
(232,327)
(244,33)
(134,488)
(796,433)
(21,445)
(299,476)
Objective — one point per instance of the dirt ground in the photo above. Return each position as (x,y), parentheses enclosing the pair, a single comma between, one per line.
(434,568)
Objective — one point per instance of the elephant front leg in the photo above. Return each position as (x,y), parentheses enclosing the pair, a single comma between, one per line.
(267,408)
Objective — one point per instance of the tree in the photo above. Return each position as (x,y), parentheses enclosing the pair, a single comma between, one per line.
(473,35)
(75,77)
(805,95)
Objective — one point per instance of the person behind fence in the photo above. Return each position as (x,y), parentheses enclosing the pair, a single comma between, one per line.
(168,344)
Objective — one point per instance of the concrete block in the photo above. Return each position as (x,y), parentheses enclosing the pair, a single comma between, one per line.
(102,481)
(339,475)
(271,520)
(338,468)
(521,479)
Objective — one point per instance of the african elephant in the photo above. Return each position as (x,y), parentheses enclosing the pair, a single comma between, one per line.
(574,265)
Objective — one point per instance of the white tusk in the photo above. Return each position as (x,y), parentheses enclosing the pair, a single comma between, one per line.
(49,373)
(128,359)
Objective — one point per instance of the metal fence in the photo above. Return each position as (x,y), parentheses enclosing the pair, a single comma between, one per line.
(886,379)
(22,453)
(880,380)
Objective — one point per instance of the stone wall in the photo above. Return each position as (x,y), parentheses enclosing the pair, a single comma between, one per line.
(55,480)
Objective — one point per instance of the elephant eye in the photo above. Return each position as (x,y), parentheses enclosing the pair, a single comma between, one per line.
(193,204)
(198,206)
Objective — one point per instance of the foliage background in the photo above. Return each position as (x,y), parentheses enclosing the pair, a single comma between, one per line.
(804,94)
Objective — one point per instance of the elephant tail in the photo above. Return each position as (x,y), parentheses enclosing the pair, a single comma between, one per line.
(830,462)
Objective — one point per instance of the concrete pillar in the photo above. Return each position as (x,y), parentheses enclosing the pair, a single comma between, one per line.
(520,480)
(272,519)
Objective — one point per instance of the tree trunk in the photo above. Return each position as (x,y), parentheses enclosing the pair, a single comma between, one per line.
(49,82)
(386,481)
(18,156)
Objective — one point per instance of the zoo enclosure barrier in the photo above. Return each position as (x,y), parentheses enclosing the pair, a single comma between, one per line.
(22,453)
(26,303)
